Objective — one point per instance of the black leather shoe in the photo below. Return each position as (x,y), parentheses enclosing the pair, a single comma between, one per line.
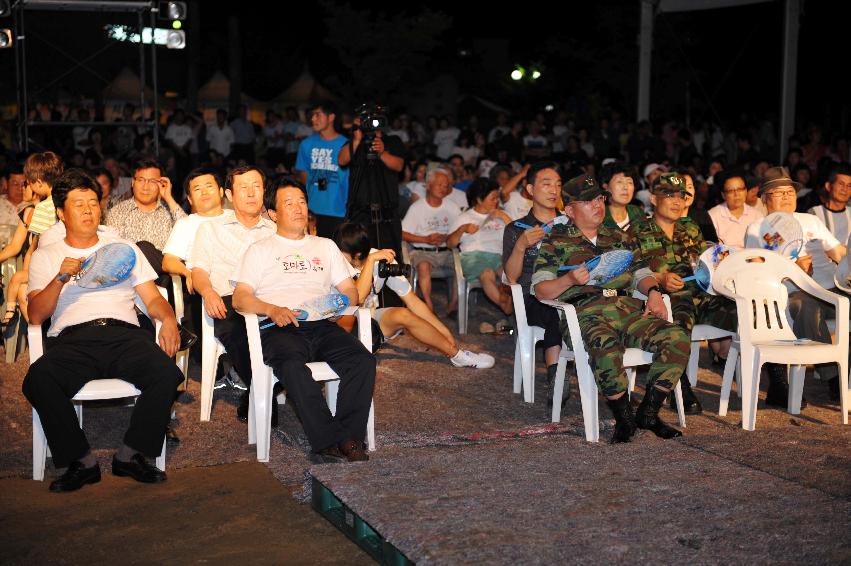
(75,477)
(187,339)
(353,451)
(832,389)
(624,419)
(778,389)
(330,455)
(171,436)
(242,409)
(139,469)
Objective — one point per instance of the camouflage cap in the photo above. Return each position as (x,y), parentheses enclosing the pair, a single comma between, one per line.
(668,184)
(581,188)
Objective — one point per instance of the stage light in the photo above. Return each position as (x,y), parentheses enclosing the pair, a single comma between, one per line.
(175,39)
(549,108)
(5,38)
(517,73)
(536,74)
(176,24)
(5,8)
(172,10)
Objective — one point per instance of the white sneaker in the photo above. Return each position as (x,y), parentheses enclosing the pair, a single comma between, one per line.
(468,359)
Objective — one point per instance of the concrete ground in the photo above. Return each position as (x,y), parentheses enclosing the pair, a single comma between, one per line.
(785,487)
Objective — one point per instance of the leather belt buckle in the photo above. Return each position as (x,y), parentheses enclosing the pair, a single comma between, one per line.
(610,292)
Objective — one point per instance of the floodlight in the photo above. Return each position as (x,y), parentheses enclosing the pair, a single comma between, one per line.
(172,10)
(5,38)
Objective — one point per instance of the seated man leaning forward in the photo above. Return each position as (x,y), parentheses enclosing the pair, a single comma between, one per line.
(671,243)
(95,333)
(415,317)
(276,276)
(612,320)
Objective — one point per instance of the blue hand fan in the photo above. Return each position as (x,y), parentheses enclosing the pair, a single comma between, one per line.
(781,232)
(318,308)
(706,265)
(611,265)
(108,266)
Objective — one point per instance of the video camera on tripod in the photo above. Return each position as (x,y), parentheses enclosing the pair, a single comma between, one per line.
(373,117)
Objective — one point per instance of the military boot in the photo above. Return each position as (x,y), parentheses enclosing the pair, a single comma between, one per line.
(624,419)
(778,387)
(691,404)
(647,416)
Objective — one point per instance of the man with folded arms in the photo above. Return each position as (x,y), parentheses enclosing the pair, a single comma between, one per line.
(612,320)
(219,244)
(274,278)
(94,333)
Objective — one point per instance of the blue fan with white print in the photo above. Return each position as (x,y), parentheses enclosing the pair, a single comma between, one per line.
(110,265)
(322,307)
(604,267)
(706,265)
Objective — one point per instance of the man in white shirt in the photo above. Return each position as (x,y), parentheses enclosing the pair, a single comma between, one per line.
(13,201)
(275,278)
(95,334)
(808,314)
(219,244)
(836,216)
(732,217)
(426,227)
(220,135)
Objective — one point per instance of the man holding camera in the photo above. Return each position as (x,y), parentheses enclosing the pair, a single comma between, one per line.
(317,168)
(375,161)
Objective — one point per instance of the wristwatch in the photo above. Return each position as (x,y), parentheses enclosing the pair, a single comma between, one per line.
(654,288)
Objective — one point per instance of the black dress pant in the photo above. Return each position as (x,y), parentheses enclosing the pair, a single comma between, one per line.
(545,316)
(230,331)
(287,349)
(94,353)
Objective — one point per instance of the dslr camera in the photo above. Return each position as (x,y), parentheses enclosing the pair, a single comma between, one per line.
(373,117)
(386,269)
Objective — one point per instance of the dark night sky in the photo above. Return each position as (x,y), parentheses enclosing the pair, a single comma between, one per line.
(731,56)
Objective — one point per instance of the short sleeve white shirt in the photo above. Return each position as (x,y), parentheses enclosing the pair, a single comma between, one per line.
(220,243)
(422,219)
(288,273)
(76,304)
(488,238)
(517,206)
(182,236)
(398,284)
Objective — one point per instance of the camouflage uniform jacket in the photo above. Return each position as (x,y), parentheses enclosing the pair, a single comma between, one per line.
(677,254)
(566,245)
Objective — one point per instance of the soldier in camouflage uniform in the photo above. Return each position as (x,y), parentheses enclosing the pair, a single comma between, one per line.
(670,245)
(610,318)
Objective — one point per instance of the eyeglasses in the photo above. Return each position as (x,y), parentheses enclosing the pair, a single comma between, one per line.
(735,191)
(782,194)
(143,181)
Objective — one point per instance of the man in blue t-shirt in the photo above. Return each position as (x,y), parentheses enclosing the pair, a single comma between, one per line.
(316,166)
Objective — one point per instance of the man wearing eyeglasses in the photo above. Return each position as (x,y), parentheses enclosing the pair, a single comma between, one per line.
(149,216)
(809,316)
(672,244)
(610,318)
(732,217)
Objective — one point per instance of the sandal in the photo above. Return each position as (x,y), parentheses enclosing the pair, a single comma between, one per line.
(9,316)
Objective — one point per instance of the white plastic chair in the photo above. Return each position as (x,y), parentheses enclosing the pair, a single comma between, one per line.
(587,385)
(524,349)
(754,278)
(211,349)
(95,390)
(464,289)
(182,357)
(12,335)
(263,379)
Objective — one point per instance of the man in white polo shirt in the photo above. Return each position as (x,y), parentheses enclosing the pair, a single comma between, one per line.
(219,245)
(275,278)
(94,333)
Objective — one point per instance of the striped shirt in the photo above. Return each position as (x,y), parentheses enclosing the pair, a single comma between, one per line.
(138,226)
(44,217)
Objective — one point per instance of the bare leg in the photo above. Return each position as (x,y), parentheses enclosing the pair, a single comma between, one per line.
(424,279)
(721,347)
(17,283)
(551,355)
(401,318)
(492,289)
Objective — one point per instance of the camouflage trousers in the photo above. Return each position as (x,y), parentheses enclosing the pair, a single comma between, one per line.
(702,308)
(610,325)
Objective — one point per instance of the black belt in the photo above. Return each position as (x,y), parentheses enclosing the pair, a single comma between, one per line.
(96,322)
(431,249)
(602,292)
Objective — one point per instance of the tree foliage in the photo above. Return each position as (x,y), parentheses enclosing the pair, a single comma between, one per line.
(382,53)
